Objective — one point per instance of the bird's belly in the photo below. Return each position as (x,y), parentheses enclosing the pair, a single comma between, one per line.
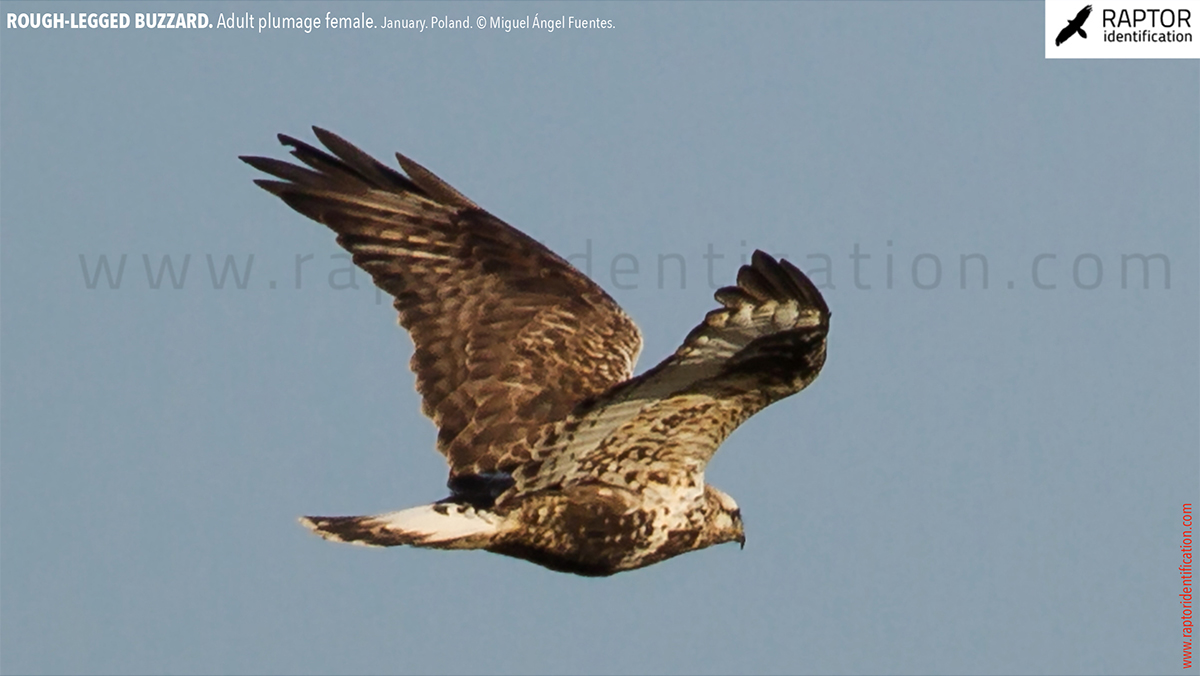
(598,538)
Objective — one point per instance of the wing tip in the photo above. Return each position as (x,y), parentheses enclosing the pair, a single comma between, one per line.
(342,166)
(766,278)
(289,140)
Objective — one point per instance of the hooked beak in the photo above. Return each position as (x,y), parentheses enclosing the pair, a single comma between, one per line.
(741,542)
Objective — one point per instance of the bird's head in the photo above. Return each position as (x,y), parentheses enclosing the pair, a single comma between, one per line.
(724,518)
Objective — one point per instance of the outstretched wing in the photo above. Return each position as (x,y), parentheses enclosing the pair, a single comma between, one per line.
(1082,15)
(509,337)
(1064,34)
(766,342)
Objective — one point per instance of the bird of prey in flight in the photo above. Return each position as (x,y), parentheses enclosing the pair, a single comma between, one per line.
(557,453)
(1074,26)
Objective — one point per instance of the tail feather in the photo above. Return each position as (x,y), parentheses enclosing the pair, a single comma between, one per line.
(440,525)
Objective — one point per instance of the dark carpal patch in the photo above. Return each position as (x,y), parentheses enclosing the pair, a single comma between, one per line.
(478,490)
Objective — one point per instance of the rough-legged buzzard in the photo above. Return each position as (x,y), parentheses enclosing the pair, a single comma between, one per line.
(557,454)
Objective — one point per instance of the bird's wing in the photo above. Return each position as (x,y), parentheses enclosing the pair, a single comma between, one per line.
(1082,15)
(1064,34)
(765,342)
(509,337)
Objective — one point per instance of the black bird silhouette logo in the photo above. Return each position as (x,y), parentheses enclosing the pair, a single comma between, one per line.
(1074,26)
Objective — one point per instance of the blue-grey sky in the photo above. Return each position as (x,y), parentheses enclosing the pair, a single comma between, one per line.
(982,480)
